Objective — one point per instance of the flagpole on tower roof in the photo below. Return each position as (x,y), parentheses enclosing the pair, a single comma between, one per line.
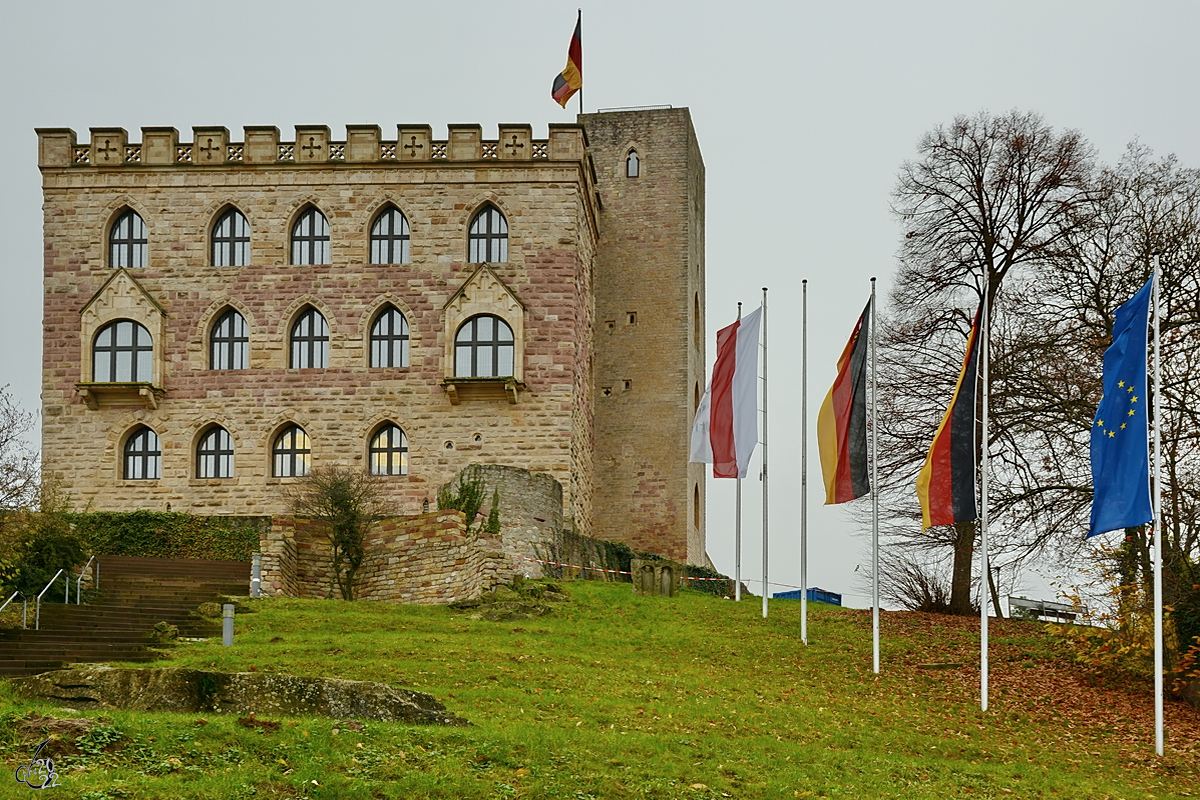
(580,22)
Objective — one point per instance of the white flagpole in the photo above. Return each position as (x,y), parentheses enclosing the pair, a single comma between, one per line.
(984,354)
(737,546)
(804,461)
(737,535)
(766,588)
(1158,521)
(874,495)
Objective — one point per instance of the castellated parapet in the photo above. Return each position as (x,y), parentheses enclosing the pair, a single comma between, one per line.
(213,313)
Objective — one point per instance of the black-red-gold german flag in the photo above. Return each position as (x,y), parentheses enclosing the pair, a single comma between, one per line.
(570,80)
(842,421)
(946,483)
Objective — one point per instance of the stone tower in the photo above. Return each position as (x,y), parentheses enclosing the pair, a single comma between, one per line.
(649,369)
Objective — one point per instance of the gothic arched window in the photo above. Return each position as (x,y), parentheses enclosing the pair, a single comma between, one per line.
(483,348)
(143,455)
(390,237)
(291,453)
(231,240)
(389,339)
(214,454)
(127,241)
(310,341)
(310,238)
(389,451)
(229,344)
(633,165)
(488,236)
(122,352)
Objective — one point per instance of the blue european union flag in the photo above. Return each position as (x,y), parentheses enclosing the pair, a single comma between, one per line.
(1120,431)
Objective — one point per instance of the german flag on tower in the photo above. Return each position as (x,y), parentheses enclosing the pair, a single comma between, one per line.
(570,80)
(946,483)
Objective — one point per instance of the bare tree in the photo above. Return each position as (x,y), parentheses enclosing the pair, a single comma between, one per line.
(19,472)
(1051,322)
(990,197)
(345,502)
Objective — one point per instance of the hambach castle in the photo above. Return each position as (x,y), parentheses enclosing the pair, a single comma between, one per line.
(223,315)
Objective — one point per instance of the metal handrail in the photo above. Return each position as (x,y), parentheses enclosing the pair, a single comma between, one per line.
(25,607)
(37,624)
(79,580)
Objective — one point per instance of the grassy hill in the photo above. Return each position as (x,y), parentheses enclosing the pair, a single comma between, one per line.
(615,696)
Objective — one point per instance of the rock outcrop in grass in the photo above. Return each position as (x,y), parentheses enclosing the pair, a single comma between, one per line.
(190,690)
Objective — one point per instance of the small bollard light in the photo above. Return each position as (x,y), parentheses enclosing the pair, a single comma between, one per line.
(227,625)
(256,575)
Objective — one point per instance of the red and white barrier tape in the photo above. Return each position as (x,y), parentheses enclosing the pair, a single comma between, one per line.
(574,566)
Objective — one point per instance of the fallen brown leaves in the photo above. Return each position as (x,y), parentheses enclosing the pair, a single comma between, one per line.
(1040,682)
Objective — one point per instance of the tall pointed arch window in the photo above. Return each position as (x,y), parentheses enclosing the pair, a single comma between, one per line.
(291,453)
(483,348)
(389,451)
(127,241)
(231,240)
(633,165)
(389,339)
(390,237)
(143,455)
(214,454)
(122,352)
(310,341)
(487,238)
(310,238)
(229,344)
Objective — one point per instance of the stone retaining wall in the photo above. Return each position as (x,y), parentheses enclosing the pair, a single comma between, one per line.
(427,559)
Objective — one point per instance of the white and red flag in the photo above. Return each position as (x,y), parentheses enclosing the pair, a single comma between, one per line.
(726,427)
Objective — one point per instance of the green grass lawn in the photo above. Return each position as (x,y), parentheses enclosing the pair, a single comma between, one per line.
(621,696)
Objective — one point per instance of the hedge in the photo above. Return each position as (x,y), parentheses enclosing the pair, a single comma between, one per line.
(169,534)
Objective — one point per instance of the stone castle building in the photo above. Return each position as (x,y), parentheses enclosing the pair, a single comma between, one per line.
(221,316)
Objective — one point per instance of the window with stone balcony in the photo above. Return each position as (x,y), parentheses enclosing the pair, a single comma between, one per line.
(483,348)
(122,352)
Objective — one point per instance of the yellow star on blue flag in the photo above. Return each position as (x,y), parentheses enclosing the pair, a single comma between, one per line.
(1121,456)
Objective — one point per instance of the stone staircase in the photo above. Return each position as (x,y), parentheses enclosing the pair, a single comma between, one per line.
(135,594)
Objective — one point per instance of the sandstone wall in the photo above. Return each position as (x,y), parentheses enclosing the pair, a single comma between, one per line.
(549,206)
(649,328)
(530,513)
(425,559)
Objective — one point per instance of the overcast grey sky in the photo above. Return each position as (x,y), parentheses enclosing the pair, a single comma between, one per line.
(804,112)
